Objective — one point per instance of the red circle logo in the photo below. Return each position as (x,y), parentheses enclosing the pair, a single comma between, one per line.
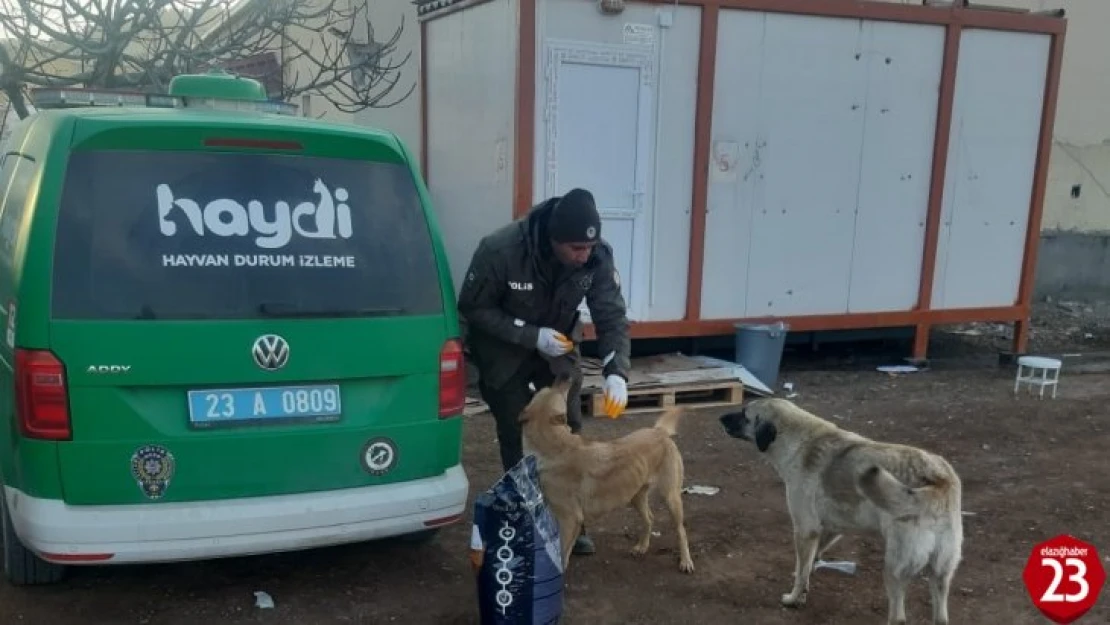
(1064,577)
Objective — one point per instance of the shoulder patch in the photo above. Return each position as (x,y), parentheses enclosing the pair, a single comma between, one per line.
(601,256)
(616,277)
(586,281)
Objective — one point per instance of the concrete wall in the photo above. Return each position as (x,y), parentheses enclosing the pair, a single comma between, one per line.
(1076,227)
(403,118)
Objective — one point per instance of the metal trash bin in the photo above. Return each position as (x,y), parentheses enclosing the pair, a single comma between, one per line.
(759,348)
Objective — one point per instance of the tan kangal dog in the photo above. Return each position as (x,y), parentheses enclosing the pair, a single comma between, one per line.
(583,481)
(838,481)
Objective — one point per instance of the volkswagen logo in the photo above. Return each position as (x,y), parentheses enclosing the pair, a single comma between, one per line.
(270,352)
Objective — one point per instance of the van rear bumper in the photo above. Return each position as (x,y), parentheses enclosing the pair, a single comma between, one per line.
(169,532)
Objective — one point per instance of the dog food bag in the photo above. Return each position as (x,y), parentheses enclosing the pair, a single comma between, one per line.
(514,549)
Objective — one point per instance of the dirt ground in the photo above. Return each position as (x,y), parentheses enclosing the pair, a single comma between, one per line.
(1032,469)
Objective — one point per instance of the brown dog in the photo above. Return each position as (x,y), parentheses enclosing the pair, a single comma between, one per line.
(583,481)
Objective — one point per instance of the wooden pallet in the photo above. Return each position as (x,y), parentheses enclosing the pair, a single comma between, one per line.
(654,398)
(651,397)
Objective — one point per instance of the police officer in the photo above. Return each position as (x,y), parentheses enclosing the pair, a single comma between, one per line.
(519,308)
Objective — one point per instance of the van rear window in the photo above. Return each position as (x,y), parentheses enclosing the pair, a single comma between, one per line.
(202,235)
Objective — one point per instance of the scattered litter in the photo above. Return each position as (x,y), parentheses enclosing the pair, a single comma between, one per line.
(1072,307)
(701,490)
(656,533)
(967,513)
(895,369)
(262,599)
(1088,335)
(844,566)
(789,388)
(475,406)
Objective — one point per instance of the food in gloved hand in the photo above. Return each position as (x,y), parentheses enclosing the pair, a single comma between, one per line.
(616,396)
(553,343)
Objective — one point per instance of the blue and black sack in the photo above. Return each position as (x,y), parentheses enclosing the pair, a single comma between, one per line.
(515,549)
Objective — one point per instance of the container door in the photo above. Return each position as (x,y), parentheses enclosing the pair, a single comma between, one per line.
(599,135)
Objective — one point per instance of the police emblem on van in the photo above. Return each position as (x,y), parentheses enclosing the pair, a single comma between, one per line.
(270,352)
(152,467)
(226,217)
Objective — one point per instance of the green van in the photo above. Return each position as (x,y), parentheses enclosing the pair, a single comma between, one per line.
(229,331)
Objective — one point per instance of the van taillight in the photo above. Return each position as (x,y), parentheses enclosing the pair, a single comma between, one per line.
(41,395)
(452,379)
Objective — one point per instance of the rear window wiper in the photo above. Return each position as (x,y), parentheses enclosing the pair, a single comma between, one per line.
(288,311)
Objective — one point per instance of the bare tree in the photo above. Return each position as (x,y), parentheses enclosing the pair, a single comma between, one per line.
(323,47)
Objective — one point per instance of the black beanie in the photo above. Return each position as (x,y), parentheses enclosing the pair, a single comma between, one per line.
(574,219)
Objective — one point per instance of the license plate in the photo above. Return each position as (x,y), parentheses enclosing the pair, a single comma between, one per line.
(223,406)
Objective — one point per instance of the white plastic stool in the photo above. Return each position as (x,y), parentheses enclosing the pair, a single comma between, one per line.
(1039,369)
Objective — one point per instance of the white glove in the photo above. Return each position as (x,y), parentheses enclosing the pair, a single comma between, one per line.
(616,395)
(553,343)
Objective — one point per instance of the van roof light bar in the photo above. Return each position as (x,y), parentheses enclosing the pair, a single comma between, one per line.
(202,91)
(72,97)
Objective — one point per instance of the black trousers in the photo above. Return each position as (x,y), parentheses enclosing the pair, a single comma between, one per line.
(507,402)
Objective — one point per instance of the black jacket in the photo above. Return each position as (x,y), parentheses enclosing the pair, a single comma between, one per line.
(515,286)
